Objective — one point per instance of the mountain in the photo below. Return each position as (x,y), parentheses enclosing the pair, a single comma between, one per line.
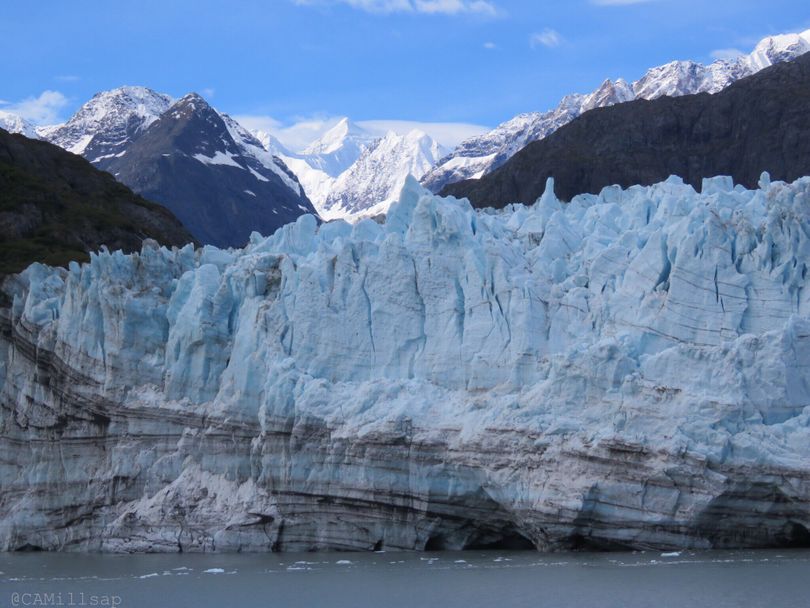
(17,124)
(350,173)
(56,207)
(103,127)
(213,174)
(625,372)
(373,182)
(319,164)
(760,123)
(482,154)
(338,148)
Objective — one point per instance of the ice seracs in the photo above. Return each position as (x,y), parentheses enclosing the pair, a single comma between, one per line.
(624,370)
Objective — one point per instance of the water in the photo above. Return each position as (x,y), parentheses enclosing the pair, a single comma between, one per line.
(772,579)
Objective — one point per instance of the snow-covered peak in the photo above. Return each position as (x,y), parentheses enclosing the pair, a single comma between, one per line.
(339,147)
(270,142)
(103,126)
(775,49)
(608,94)
(372,183)
(674,78)
(189,105)
(344,133)
(14,123)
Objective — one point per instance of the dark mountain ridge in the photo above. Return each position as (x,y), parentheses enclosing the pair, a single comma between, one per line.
(56,207)
(760,123)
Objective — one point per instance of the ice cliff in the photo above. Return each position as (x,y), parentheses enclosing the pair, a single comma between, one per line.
(624,370)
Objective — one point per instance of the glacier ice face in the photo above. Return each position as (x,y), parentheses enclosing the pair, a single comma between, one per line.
(624,370)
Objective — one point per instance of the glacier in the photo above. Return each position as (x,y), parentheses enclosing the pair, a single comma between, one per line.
(625,370)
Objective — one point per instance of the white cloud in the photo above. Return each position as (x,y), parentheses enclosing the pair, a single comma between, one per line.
(619,2)
(490,46)
(296,135)
(726,53)
(42,110)
(300,133)
(548,38)
(430,7)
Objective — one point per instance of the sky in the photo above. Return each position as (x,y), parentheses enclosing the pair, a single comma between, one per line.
(456,67)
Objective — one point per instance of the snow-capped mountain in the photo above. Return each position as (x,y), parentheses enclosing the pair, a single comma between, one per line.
(319,164)
(338,148)
(479,155)
(212,173)
(374,181)
(14,123)
(104,126)
(141,135)
(740,131)
(349,172)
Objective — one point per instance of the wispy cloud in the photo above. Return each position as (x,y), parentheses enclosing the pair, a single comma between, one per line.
(619,2)
(208,92)
(67,78)
(431,7)
(42,110)
(490,46)
(726,53)
(548,38)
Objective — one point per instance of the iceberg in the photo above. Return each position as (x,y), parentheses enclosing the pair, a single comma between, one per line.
(625,370)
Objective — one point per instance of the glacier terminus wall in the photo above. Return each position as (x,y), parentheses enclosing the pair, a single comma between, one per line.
(627,370)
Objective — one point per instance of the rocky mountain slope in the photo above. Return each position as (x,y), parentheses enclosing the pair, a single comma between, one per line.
(485,153)
(760,123)
(626,370)
(56,207)
(211,173)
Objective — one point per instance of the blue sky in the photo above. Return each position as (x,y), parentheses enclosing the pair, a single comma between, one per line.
(477,62)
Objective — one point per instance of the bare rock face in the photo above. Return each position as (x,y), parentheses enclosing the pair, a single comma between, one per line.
(624,371)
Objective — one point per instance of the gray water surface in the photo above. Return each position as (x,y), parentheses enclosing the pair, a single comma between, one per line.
(773,579)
